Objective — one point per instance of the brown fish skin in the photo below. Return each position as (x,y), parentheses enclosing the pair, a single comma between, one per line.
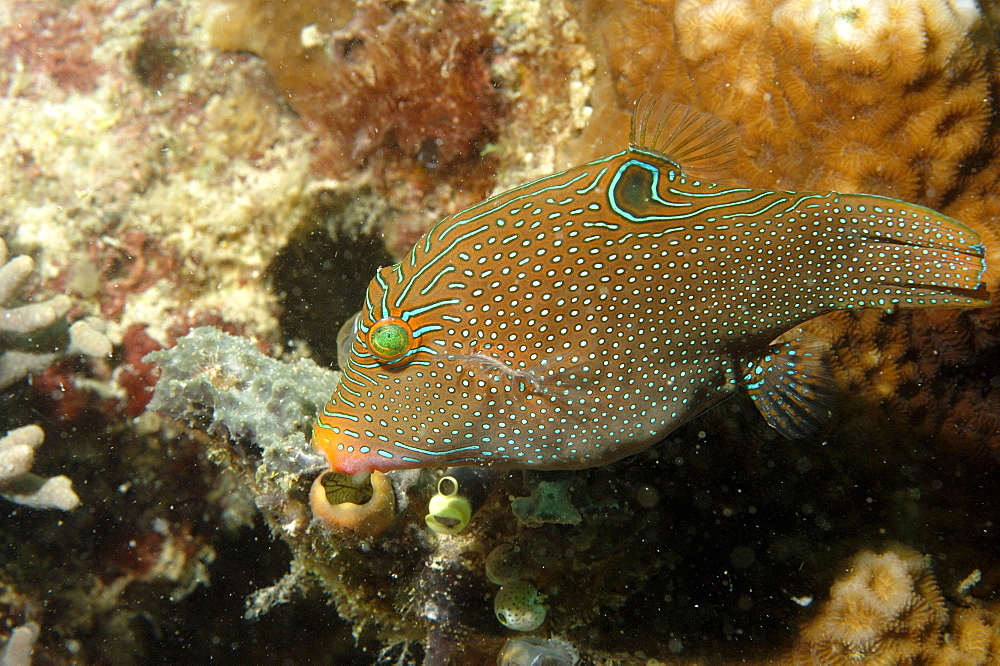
(580,318)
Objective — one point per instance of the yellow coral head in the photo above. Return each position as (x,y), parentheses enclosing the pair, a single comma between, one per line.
(361,504)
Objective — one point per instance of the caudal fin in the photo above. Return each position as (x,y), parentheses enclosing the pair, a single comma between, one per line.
(904,255)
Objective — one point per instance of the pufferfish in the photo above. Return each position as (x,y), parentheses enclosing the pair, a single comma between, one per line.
(582,317)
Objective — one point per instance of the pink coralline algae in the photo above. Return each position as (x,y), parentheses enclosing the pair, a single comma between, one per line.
(54,41)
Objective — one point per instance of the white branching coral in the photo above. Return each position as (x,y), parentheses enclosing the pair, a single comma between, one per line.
(19,485)
(17,449)
(19,647)
(20,320)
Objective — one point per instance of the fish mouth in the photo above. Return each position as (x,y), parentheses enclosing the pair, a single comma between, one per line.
(355,456)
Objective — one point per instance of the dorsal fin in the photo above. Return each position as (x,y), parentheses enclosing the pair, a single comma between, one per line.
(701,144)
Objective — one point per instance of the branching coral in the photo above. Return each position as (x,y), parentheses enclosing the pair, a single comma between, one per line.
(17,448)
(18,484)
(24,319)
(19,646)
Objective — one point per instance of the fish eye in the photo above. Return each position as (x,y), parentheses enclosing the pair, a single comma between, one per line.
(390,338)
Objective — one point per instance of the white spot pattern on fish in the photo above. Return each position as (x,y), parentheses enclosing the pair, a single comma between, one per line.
(582,317)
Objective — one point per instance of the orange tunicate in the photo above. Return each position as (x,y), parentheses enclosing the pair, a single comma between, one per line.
(364,506)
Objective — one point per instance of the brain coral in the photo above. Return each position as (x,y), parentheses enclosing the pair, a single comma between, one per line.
(881,96)
(891,97)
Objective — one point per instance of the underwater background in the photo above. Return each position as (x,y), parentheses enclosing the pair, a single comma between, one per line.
(193,199)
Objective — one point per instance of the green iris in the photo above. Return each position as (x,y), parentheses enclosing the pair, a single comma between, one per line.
(389,340)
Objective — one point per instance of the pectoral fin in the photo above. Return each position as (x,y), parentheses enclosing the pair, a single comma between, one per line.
(791,385)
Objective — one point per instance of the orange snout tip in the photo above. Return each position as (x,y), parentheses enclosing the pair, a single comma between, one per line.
(352,456)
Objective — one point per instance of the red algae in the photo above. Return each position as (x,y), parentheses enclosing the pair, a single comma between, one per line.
(54,40)
(130,265)
(60,398)
(396,89)
(134,375)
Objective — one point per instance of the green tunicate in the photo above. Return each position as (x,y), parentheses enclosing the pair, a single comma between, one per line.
(547,503)
(505,564)
(518,606)
(449,511)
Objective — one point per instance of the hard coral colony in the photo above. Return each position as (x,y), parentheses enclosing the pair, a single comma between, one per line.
(893,98)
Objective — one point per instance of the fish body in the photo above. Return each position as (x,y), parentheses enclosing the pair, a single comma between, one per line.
(580,318)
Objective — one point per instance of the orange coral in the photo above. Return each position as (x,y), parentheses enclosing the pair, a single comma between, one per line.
(888,609)
(931,370)
(891,97)
(842,95)
(886,97)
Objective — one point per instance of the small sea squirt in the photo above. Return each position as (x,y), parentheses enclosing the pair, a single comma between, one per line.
(362,504)
(581,318)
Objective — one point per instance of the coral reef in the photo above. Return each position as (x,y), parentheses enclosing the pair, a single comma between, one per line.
(163,182)
(555,574)
(888,609)
(430,101)
(155,181)
(373,81)
(854,100)
(408,95)
(25,319)
(17,447)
